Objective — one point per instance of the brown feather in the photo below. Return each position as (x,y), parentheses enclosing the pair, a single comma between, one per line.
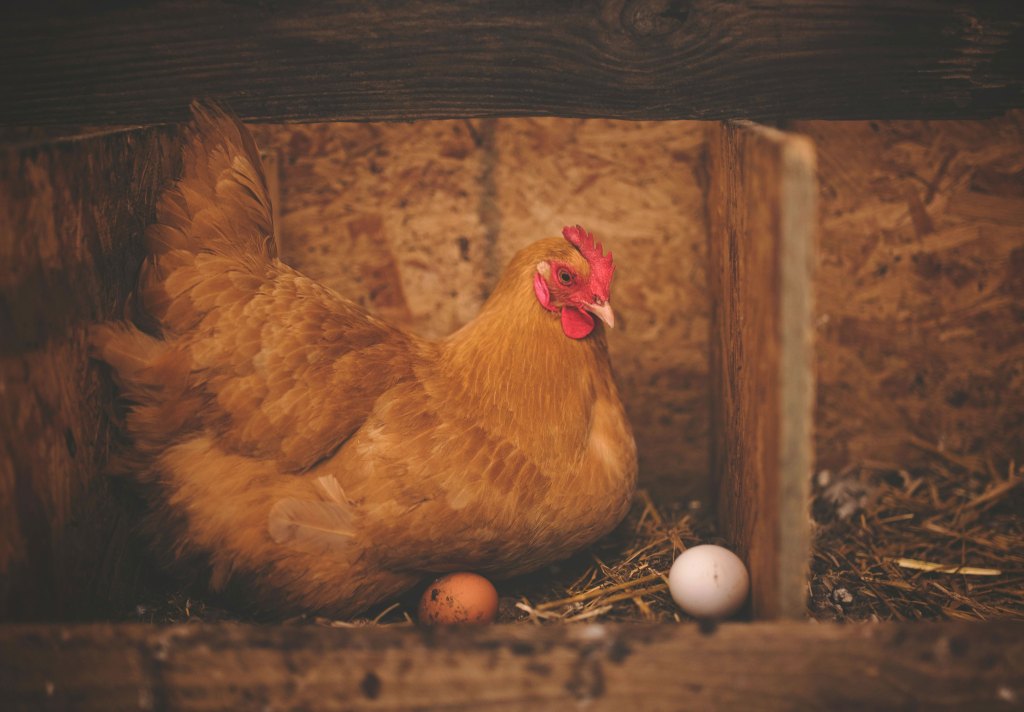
(325,525)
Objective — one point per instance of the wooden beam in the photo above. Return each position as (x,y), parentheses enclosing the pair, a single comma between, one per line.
(791,666)
(130,63)
(762,225)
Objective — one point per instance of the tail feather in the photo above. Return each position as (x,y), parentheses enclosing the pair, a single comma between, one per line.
(221,202)
(141,363)
(128,350)
(215,217)
(153,381)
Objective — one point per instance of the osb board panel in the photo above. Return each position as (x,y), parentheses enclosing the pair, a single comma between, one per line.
(416,221)
(752,666)
(921,307)
(71,214)
(386,214)
(761,231)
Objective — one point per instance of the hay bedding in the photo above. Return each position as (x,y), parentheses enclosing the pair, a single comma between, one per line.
(622,577)
(944,541)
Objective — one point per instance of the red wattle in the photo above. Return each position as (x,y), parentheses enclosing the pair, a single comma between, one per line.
(576,323)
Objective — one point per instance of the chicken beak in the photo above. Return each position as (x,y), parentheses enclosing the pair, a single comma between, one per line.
(603,311)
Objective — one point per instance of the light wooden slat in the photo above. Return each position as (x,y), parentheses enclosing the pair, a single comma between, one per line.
(309,60)
(762,224)
(759,666)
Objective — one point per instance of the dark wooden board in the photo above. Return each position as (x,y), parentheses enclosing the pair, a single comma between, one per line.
(126,63)
(760,666)
(71,218)
(762,226)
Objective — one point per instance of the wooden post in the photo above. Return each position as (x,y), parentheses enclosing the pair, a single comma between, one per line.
(762,225)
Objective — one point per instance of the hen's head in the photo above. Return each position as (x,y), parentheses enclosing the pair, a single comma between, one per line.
(577,285)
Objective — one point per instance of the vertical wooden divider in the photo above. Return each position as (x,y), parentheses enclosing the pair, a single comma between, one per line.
(762,227)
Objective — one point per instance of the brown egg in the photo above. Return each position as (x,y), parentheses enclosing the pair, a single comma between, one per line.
(459,599)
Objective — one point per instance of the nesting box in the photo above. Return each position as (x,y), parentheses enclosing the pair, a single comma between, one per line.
(798,294)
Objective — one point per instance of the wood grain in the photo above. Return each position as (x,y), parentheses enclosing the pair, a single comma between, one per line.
(762,225)
(71,219)
(759,666)
(920,338)
(636,59)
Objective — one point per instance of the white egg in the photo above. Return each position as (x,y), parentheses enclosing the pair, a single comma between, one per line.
(708,581)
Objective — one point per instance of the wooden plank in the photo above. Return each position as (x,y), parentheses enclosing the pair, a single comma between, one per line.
(762,224)
(656,59)
(205,667)
(71,220)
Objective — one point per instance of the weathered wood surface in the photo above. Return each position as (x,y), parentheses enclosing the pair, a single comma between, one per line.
(417,221)
(920,339)
(762,225)
(131,63)
(71,215)
(788,666)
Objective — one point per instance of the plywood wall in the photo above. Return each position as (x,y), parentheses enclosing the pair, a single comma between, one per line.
(920,289)
(416,221)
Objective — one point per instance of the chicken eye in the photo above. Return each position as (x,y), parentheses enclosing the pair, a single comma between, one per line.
(564,276)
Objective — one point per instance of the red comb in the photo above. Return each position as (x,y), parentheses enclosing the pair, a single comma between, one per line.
(601,267)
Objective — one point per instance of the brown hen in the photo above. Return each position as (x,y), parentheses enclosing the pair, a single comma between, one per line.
(325,460)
